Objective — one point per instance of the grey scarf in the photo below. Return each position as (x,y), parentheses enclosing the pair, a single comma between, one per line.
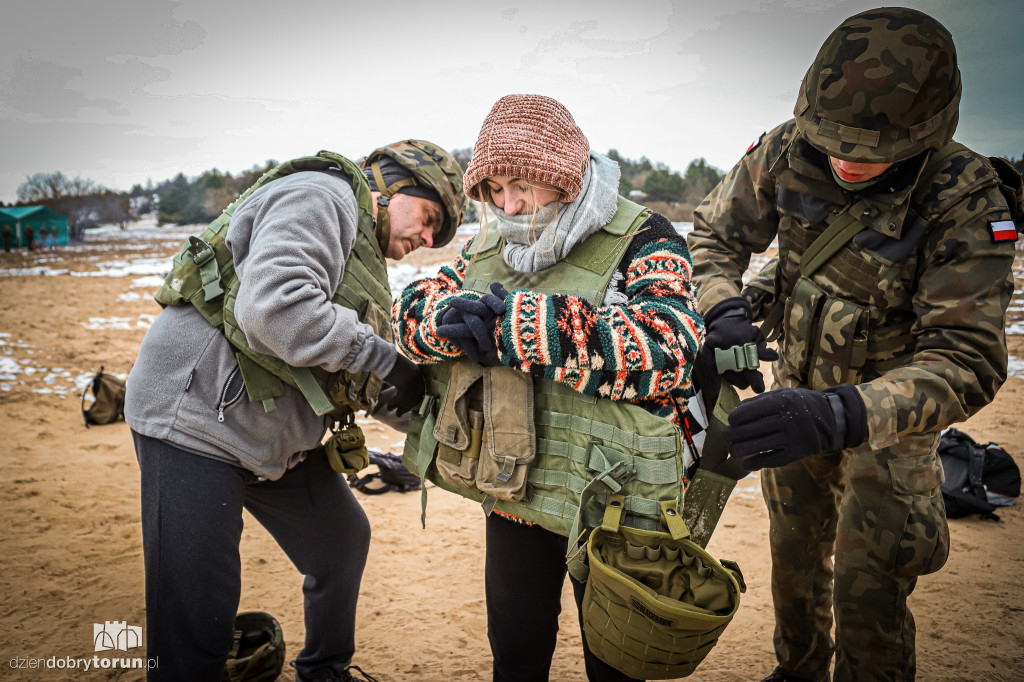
(538,241)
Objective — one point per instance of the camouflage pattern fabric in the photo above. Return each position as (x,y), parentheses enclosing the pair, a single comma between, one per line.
(849,106)
(911,311)
(435,168)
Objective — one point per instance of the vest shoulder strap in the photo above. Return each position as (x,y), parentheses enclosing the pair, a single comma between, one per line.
(490,242)
(597,253)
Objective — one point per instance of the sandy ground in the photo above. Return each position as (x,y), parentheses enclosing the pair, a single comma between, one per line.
(71,550)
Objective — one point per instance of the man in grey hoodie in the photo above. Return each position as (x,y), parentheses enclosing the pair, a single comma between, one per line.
(206,452)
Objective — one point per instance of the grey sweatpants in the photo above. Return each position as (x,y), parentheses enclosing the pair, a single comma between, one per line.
(191,526)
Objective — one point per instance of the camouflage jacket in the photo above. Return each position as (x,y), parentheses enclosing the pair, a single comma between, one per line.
(910,310)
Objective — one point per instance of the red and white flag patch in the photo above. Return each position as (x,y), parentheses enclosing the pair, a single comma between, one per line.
(755,144)
(1003,231)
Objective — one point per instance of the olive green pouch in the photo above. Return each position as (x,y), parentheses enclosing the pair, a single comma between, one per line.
(510,440)
(655,603)
(458,426)
(346,447)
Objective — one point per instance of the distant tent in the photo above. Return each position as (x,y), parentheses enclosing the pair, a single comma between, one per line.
(36,217)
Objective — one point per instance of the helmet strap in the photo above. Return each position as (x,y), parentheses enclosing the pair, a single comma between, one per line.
(383,231)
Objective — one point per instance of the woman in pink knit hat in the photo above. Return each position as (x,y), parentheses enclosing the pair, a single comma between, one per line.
(571,291)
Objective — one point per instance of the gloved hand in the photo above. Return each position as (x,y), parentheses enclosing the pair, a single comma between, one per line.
(404,386)
(470,323)
(730,323)
(785,425)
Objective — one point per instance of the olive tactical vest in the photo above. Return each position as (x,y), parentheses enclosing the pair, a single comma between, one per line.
(203,275)
(586,448)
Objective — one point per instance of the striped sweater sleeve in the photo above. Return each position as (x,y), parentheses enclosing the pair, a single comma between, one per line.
(639,351)
(414,316)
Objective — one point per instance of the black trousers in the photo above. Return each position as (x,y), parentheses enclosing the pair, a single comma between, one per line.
(524,572)
(191,527)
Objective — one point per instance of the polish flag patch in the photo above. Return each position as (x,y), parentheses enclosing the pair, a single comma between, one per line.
(1003,231)
(755,144)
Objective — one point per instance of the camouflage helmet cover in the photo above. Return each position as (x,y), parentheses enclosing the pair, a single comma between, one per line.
(258,652)
(884,87)
(436,168)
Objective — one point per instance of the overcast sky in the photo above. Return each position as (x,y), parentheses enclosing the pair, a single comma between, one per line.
(125,91)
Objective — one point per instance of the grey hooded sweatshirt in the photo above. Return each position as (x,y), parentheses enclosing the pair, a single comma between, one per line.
(290,241)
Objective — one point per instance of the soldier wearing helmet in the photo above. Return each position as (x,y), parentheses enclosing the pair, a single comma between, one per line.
(887,299)
(276,328)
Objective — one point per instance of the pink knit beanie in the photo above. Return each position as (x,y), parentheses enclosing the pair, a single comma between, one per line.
(532,137)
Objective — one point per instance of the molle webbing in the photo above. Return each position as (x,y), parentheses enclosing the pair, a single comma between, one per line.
(571,450)
(194,280)
(587,448)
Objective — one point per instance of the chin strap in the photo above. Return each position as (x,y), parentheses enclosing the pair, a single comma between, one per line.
(383,231)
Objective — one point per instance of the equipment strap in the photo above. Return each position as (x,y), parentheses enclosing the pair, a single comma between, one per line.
(829,242)
(314,394)
(652,471)
(206,262)
(608,432)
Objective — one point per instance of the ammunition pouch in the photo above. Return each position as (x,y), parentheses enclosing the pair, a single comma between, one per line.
(655,602)
(826,338)
(485,431)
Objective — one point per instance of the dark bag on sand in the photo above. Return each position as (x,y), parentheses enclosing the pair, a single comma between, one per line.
(979,478)
(391,475)
(108,405)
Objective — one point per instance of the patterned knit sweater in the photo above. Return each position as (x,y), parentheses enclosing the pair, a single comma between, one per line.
(641,350)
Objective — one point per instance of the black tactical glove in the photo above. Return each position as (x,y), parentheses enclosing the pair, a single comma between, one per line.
(470,323)
(404,386)
(730,323)
(788,424)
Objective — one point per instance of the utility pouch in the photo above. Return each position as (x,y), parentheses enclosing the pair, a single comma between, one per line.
(656,602)
(826,337)
(802,309)
(840,350)
(459,426)
(346,447)
(510,440)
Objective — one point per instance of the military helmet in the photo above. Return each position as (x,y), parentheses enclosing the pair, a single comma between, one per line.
(884,87)
(257,653)
(434,167)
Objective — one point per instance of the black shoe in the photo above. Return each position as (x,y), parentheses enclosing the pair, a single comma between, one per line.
(780,675)
(347,675)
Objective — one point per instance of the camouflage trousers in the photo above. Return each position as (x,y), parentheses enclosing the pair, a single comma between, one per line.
(850,534)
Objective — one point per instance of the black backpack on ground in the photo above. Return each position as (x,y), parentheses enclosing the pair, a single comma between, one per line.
(391,475)
(978,477)
(108,404)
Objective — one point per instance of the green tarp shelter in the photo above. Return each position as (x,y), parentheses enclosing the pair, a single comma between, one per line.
(18,219)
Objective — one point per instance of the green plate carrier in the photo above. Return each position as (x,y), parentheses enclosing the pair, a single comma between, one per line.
(588,448)
(203,275)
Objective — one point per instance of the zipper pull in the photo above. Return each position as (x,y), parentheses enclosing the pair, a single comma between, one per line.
(220,414)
